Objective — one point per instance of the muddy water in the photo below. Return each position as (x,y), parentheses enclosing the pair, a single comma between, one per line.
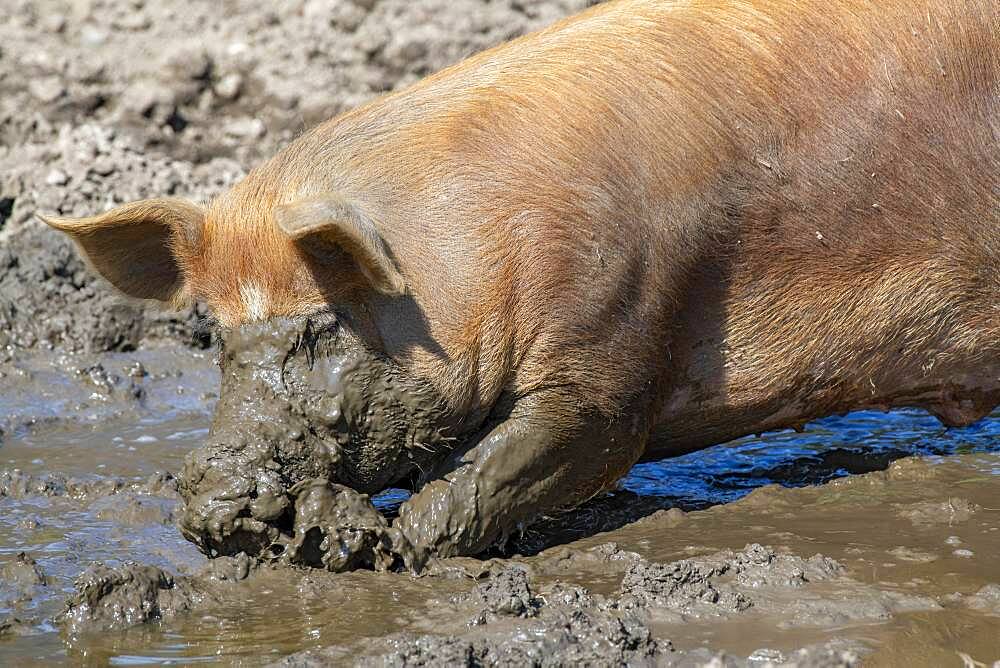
(908,512)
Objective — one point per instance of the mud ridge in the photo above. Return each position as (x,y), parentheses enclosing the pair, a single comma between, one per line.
(17,484)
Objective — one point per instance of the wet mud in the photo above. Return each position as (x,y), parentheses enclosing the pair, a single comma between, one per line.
(881,568)
(524,623)
(308,422)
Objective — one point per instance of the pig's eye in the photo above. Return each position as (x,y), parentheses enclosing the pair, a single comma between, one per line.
(324,321)
(206,331)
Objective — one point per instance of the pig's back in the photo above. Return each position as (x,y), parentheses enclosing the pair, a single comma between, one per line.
(597,162)
(645,116)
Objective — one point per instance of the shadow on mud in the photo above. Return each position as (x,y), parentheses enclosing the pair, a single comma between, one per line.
(831,448)
(616,509)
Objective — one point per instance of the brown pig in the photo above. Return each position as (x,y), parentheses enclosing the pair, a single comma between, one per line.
(652,227)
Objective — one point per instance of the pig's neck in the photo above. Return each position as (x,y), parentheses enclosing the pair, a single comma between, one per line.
(759,350)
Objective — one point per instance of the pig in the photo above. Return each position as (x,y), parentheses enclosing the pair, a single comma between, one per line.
(650,228)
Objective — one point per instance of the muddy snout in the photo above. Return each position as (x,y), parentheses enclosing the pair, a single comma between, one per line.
(283,509)
(309,423)
(238,492)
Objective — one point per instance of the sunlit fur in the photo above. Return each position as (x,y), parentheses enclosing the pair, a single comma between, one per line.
(761,211)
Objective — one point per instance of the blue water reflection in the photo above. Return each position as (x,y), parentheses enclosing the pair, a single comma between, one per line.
(833,447)
(859,442)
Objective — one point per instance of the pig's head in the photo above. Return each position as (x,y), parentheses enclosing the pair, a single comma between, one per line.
(249,257)
(306,395)
(302,399)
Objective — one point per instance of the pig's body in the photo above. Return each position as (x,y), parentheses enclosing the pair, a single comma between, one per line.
(812,185)
(648,229)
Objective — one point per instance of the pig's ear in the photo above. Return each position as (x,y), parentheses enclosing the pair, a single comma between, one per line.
(140,248)
(331,220)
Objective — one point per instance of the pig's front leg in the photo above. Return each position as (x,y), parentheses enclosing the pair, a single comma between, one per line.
(544,457)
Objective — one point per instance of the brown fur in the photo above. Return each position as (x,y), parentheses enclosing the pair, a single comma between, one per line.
(756,212)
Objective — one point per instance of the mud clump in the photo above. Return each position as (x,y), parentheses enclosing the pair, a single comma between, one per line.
(562,624)
(19,583)
(338,529)
(303,403)
(506,594)
(114,598)
(759,566)
(117,598)
(729,583)
(22,572)
(518,627)
(685,586)
(563,637)
(716,585)
(808,657)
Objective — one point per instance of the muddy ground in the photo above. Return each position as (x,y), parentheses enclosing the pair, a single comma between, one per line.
(103,102)
(891,567)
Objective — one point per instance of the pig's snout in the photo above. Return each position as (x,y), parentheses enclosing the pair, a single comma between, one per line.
(296,406)
(259,499)
(237,486)
(233,501)
(222,523)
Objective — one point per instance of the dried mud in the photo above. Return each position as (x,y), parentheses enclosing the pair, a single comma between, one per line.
(101,400)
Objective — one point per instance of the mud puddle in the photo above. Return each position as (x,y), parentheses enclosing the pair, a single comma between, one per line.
(86,447)
(701,555)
